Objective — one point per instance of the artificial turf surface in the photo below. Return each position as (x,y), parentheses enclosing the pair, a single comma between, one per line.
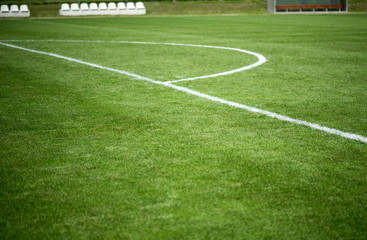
(87,153)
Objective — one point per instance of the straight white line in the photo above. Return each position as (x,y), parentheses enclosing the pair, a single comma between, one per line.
(202,95)
(270,114)
(81,62)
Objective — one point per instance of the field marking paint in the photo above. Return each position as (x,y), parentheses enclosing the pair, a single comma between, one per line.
(260,58)
(202,95)
(79,61)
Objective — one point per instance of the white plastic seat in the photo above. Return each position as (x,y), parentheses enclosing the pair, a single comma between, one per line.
(121,8)
(24,8)
(65,10)
(140,8)
(65,7)
(24,11)
(102,6)
(93,8)
(74,10)
(130,5)
(74,7)
(14,9)
(112,6)
(84,9)
(131,10)
(140,5)
(103,10)
(121,5)
(4,9)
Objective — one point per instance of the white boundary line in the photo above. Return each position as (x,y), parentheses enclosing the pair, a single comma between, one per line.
(261,58)
(202,95)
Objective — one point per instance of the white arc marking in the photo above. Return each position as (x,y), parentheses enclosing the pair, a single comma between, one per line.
(202,95)
(261,58)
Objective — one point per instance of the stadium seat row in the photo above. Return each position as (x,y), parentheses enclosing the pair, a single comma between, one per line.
(102,9)
(14,11)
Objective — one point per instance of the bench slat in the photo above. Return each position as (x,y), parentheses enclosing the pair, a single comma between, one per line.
(315,6)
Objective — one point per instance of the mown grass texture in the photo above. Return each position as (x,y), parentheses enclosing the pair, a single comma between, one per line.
(87,153)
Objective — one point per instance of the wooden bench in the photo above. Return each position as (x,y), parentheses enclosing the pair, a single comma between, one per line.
(314,6)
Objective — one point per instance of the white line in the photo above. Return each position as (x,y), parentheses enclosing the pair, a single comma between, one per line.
(202,95)
(261,58)
(270,114)
(81,62)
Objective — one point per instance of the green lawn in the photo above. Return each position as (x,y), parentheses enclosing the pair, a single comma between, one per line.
(88,153)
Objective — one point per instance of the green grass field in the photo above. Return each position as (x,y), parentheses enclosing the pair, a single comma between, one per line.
(87,153)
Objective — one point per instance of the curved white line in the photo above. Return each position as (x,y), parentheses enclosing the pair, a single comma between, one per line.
(202,95)
(261,58)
